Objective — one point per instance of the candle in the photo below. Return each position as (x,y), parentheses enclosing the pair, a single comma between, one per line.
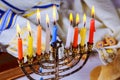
(47,46)
(30,42)
(83,32)
(69,34)
(76,30)
(20,50)
(54,32)
(92,26)
(39,34)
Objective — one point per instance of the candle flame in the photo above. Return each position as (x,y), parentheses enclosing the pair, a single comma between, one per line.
(92,11)
(54,13)
(71,17)
(84,18)
(28,26)
(38,14)
(77,18)
(18,29)
(47,18)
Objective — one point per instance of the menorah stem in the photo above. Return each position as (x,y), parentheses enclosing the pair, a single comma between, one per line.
(57,65)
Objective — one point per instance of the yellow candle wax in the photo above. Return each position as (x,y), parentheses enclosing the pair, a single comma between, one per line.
(83,36)
(83,32)
(30,41)
(30,46)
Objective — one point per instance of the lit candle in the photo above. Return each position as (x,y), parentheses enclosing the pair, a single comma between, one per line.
(54,33)
(39,34)
(30,41)
(69,34)
(47,46)
(76,30)
(92,26)
(83,32)
(20,50)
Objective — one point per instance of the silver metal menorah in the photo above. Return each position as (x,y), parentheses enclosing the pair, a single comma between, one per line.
(56,67)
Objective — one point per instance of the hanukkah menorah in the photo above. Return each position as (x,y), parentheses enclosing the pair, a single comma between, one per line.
(57,66)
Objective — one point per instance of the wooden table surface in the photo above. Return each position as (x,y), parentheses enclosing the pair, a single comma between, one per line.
(9,67)
(12,73)
(7,61)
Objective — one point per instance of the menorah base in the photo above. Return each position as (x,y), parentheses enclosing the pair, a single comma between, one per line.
(57,68)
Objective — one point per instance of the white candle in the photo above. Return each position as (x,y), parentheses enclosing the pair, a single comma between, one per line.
(69,37)
(47,40)
(47,46)
(70,32)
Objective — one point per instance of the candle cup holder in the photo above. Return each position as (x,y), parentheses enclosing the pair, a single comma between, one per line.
(21,62)
(71,58)
(75,51)
(29,60)
(66,52)
(39,57)
(82,49)
(46,55)
(90,46)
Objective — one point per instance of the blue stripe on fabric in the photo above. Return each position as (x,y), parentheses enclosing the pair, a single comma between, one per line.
(11,20)
(1,13)
(4,20)
(15,20)
(1,16)
(12,6)
(46,6)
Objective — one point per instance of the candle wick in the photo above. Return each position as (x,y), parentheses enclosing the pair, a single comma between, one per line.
(38,21)
(48,25)
(77,24)
(93,16)
(54,22)
(84,24)
(71,22)
(29,33)
(19,35)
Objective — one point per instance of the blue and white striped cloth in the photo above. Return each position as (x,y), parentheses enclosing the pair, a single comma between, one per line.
(9,9)
(7,20)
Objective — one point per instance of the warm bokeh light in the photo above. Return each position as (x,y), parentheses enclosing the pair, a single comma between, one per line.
(77,18)
(18,29)
(38,14)
(71,17)
(54,13)
(84,18)
(93,11)
(47,18)
(28,26)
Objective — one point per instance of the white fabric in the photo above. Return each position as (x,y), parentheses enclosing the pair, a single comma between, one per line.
(107,20)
